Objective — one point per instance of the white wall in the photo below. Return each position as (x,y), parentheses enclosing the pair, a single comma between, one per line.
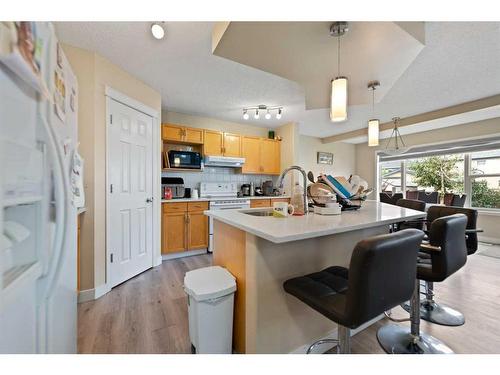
(344,156)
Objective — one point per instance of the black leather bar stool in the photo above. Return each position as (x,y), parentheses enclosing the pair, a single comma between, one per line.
(414,205)
(381,275)
(430,310)
(448,255)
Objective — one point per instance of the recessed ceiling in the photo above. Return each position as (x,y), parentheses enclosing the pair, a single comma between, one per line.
(306,53)
(459,63)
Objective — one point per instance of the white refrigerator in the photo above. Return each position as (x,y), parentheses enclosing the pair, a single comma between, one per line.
(38,192)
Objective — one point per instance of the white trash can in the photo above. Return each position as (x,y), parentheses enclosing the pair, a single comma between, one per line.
(210,293)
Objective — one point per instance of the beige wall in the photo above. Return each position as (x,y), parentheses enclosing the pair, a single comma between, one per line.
(344,156)
(94,73)
(213,124)
(365,157)
(289,134)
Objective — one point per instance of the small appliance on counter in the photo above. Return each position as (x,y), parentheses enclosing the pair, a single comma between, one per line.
(173,184)
(268,188)
(184,159)
(245,190)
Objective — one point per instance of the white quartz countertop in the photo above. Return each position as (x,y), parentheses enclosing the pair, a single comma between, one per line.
(293,228)
(174,200)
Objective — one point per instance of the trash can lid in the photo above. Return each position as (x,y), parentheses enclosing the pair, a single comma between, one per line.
(209,283)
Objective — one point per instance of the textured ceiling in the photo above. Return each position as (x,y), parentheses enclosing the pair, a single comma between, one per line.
(460,62)
(306,53)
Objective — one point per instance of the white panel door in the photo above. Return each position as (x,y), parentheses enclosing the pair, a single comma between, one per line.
(130,176)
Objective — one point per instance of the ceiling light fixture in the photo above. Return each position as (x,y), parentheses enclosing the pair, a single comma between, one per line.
(373,124)
(338,99)
(157,30)
(262,107)
(397,150)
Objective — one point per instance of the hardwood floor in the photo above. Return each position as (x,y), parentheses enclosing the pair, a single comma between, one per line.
(148,314)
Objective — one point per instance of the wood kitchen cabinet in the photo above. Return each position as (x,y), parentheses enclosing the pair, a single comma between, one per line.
(181,134)
(184,226)
(260,203)
(262,156)
(221,144)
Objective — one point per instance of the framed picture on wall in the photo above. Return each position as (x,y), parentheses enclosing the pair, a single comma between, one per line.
(325,158)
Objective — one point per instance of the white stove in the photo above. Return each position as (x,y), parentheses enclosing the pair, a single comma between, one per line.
(223,196)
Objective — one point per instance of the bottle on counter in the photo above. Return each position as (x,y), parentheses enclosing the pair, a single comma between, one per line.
(297,200)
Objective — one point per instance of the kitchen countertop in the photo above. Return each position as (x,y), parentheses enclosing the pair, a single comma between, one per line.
(210,199)
(293,228)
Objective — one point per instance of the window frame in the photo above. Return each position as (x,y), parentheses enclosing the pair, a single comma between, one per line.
(468,178)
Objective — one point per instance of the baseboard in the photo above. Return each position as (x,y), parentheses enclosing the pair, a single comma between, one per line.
(486,239)
(93,294)
(332,335)
(183,254)
(158,261)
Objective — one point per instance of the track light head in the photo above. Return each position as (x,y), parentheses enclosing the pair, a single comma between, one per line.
(245,115)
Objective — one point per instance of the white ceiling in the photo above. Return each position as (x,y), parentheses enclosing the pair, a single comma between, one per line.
(460,62)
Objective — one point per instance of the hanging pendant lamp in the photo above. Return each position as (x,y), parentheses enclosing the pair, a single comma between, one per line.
(399,143)
(374,123)
(338,99)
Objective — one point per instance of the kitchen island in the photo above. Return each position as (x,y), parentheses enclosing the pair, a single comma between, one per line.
(263,251)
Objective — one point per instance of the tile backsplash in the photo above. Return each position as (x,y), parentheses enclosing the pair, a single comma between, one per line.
(218,174)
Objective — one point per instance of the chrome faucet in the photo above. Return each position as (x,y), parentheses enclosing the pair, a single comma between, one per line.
(301,170)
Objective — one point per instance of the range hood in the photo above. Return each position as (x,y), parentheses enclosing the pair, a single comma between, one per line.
(223,161)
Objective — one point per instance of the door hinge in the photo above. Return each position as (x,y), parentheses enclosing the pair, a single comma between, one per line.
(110,119)
(111,188)
(111,257)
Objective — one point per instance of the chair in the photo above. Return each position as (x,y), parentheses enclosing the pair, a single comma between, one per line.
(459,201)
(390,199)
(432,197)
(430,310)
(412,194)
(381,275)
(414,205)
(448,254)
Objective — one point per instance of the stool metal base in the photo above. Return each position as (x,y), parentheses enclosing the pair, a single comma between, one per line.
(438,314)
(399,340)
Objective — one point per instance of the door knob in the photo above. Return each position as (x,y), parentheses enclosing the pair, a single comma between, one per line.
(149,200)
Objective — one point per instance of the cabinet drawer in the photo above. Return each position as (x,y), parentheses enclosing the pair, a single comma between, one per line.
(197,206)
(287,200)
(255,203)
(174,207)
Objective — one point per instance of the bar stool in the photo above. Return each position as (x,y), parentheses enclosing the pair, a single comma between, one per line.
(429,309)
(413,204)
(448,255)
(381,275)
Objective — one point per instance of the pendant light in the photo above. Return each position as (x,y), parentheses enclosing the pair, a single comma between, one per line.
(399,144)
(338,99)
(374,123)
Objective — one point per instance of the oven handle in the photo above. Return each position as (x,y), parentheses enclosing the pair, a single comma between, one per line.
(229,208)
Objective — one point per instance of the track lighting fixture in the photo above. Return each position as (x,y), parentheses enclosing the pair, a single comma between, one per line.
(268,110)
(157,29)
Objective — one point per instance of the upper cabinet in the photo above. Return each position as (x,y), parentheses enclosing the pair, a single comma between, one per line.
(222,144)
(262,156)
(181,134)
(213,143)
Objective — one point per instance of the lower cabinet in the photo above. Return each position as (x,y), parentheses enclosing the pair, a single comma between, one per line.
(256,203)
(184,227)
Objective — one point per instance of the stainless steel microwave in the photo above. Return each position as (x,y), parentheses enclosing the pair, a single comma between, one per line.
(184,159)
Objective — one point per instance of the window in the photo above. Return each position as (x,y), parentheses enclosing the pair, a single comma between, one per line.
(477,174)
(485,179)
